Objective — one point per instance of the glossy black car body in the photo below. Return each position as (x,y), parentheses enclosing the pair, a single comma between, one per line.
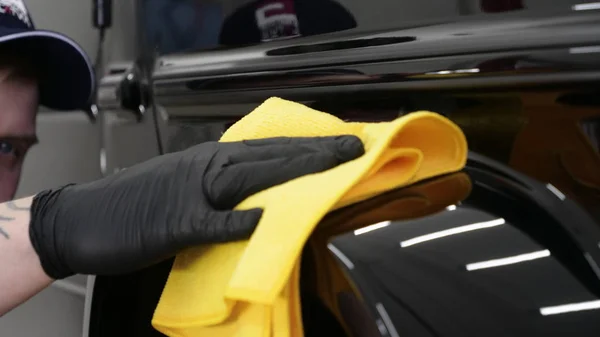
(507,247)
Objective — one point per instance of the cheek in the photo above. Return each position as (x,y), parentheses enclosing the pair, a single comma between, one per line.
(9,180)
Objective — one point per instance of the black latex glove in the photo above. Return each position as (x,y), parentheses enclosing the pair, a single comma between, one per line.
(153,210)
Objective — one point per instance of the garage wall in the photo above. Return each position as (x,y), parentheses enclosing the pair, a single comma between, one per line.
(68,152)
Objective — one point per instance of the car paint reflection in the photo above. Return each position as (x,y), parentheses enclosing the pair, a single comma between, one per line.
(505,261)
(452,231)
(466,267)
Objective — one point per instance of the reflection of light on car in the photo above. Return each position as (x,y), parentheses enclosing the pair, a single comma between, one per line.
(592,262)
(381,327)
(573,307)
(586,7)
(458,71)
(585,50)
(371,228)
(452,231)
(451,208)
(386,320)
(508,260)
(343,258)
(556,191)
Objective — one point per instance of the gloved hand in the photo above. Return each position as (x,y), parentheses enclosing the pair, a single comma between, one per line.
(153,210)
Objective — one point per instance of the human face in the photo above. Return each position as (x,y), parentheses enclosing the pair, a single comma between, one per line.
(18,107)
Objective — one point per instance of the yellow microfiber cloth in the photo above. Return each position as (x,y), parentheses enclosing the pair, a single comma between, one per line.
(250,288)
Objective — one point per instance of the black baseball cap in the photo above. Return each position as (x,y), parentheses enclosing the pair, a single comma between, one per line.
(65,73)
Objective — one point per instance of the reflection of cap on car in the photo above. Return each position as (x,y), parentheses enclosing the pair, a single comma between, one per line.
(266,20)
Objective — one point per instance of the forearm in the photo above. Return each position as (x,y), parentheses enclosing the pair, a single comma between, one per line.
(21,275)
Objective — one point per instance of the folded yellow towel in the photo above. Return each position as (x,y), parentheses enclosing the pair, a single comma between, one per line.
(250,288)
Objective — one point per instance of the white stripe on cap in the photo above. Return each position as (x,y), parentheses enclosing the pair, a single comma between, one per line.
(17,9)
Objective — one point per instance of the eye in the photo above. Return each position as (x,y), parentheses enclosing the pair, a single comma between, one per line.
(7,148)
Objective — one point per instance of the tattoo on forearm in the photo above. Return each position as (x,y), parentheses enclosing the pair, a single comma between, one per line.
(2,231)
(3,218)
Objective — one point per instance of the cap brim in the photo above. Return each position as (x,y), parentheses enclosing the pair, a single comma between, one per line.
(65,73)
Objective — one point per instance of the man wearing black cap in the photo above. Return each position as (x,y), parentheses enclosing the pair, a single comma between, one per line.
(138,216)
